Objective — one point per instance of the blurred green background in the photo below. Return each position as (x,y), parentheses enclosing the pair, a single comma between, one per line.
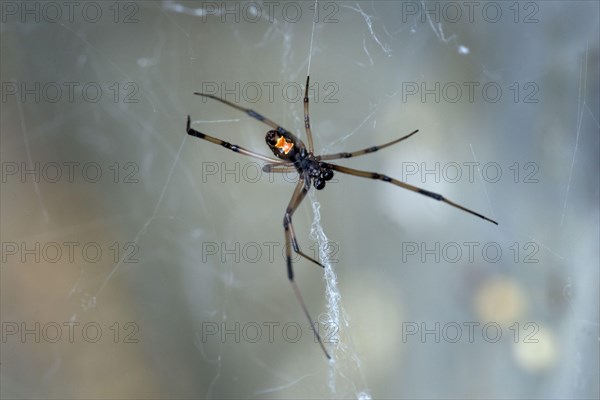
(190,268)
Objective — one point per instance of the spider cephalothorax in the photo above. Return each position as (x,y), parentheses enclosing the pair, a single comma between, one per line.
(317,172)
(292,153)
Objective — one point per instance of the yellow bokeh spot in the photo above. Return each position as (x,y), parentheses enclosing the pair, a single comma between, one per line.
(500,300)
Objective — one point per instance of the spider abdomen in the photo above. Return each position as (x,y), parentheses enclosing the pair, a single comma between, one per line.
(283,144)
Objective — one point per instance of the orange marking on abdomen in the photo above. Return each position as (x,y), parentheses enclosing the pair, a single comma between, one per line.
(282,144)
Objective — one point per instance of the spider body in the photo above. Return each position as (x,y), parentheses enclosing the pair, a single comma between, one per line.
(288,147)
(291,152)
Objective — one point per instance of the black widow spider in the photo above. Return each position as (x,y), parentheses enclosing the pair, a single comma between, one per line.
(311,169)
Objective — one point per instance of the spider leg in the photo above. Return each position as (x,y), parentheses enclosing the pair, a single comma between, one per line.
(278,168)
(297,197)
(364,151)
(290,240)
(385,178)
(248,111)
(307,119)
(228,145)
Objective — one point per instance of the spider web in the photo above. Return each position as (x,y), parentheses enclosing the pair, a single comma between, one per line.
(192,198)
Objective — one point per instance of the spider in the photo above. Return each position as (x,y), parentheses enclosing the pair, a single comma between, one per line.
(312,170)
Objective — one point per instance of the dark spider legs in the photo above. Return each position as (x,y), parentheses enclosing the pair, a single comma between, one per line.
(385,178)
(290,241)
(363,151)
(233,147)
